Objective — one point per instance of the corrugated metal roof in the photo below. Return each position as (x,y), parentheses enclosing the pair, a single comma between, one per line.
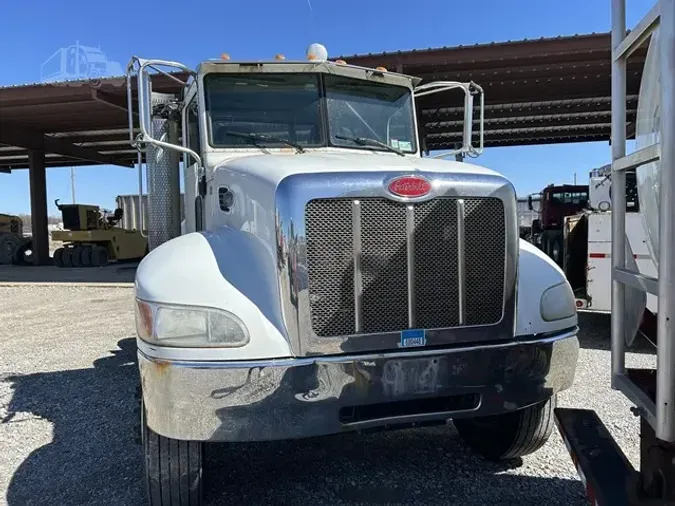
(66,82)
(477,45)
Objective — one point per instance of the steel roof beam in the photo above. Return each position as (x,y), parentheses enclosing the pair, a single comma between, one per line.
(566,120)
(588,103)
(519,71)
(21,162)
(526,140)
(28,139)
(526,115)
(113,100)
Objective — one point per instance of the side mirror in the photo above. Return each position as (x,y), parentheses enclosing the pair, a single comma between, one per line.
(529,202)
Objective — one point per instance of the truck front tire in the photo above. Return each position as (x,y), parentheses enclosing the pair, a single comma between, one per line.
(509,435)
(173,469)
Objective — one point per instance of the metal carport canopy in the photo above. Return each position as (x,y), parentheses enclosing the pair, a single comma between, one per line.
(537,92)
(74,123)
(543,91)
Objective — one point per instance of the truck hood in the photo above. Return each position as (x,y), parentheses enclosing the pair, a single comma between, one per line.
(276,167)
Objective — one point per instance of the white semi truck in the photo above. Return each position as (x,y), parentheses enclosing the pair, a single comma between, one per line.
(609,477)
(329,277)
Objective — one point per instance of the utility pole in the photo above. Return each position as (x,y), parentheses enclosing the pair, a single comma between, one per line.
(72,183)
(575,179)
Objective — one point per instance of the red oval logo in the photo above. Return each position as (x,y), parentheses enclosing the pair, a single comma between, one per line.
(410,186)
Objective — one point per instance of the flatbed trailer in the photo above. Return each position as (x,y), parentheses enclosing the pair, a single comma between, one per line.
(608,475)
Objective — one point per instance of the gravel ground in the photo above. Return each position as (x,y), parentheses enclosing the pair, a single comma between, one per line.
(67,378)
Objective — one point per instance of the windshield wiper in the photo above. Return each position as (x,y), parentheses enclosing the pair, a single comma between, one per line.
(366,141)
(264,137)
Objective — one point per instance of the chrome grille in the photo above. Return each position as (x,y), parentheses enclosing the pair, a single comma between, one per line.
(375,265)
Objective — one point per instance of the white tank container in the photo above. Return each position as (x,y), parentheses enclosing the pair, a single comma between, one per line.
(647,133)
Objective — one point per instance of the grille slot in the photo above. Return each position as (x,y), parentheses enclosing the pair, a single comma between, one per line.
(383,263)
(394,273)
(436,273)
(484,221)
(331,276)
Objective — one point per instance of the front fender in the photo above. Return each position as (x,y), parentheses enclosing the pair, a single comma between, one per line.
(226,269)
(537,272)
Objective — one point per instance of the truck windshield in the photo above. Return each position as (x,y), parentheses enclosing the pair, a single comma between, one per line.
(279,106)
(369,110)
(568,197)
(308,110)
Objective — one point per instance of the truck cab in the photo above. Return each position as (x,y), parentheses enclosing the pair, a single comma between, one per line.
(330,278)
(555,203)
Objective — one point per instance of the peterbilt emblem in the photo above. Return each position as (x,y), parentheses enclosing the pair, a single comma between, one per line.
(409,186)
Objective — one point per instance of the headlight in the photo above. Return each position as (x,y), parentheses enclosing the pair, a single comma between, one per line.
(189,326)
(557,302)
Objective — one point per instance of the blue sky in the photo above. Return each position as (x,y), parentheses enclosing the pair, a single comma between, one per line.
(33,30)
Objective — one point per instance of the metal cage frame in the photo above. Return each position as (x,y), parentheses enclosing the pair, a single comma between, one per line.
(661,413)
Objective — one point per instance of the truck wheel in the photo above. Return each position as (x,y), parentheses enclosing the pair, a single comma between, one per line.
(67,257)
(86,256)
(99,256)
(23,255)
(8,246)
(173,469)
(510,435)
(556,251)
(58,257)
(2,250)
(76,256)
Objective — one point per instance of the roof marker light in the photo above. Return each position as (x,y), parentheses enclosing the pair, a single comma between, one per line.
(279,56)
(382,69)
(317,52)
(341,62)
(224,56)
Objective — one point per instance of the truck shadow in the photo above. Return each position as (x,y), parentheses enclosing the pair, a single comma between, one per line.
(428,466)
(120,272)
(93,456)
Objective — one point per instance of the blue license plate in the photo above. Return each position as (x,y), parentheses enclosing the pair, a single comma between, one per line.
(413,337)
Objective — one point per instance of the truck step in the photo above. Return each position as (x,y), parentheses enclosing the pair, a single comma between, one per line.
(602,466)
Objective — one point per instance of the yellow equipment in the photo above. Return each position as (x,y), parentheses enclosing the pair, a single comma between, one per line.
(13,245)
(91,238)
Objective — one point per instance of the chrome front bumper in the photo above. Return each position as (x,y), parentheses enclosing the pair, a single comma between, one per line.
(304,397)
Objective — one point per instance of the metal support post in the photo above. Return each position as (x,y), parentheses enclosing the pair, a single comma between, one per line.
(665,352)
(618,191)
(38,207)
